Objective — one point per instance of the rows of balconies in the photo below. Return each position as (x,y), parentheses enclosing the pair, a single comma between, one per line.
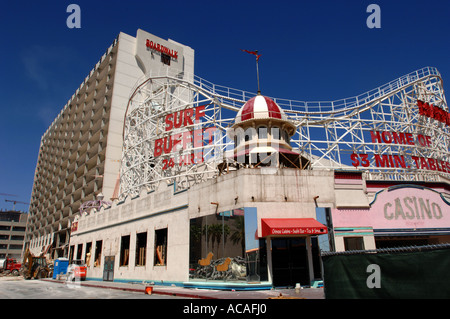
(93,140)
(72,154)
(104,69)
(66,136)
(62,182)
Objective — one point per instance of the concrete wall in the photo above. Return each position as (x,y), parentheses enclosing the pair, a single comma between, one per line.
(282,193)
(165,209)
(146,213)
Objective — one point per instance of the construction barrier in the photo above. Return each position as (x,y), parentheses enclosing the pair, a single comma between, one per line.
(396,273)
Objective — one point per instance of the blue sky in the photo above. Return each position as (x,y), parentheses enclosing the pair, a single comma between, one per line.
(311,50)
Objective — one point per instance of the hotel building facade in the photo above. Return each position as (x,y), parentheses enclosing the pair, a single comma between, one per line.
(80,153)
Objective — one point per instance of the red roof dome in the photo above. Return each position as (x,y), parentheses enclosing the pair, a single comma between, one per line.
(260,107)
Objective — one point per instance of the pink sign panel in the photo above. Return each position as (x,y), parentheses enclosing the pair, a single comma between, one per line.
(400,208)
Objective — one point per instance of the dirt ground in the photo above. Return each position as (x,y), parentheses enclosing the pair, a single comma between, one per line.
(9,277)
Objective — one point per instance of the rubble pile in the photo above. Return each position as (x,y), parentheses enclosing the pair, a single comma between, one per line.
(236,270)
(7,273)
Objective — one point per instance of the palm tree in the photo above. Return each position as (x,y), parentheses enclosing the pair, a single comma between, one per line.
(215,232)
(238,235)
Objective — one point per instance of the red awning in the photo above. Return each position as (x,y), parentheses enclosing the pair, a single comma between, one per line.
(291,226)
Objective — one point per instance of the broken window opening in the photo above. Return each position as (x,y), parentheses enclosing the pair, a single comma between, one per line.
(160,247)
(98,253)
(141,248)
(79,251)
(165,59)
(87,254)
(124,250)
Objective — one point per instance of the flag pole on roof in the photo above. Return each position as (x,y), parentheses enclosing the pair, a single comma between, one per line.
(255,53)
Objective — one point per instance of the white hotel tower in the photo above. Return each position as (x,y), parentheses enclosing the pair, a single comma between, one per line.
(79,155)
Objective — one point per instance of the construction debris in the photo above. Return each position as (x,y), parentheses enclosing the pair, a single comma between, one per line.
(221,269)
(35,266)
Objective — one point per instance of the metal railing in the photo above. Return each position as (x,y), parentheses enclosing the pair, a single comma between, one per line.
(297,107)
(389,250)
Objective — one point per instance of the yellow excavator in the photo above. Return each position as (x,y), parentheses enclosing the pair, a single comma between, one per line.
(35,267)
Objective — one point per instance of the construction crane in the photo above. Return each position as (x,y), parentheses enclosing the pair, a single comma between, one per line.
(15,202)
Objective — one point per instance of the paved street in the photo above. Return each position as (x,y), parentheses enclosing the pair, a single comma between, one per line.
(17,288)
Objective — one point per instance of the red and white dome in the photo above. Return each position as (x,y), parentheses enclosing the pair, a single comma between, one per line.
(260,107)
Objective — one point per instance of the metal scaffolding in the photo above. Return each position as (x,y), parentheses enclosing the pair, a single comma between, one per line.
(162,123)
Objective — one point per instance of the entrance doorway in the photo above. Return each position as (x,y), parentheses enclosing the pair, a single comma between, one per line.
(108,268)
(290,262)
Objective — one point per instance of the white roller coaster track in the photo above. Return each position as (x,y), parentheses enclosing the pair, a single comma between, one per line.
(328,133)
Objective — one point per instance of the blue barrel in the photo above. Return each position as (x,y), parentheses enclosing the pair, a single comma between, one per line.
(60,267)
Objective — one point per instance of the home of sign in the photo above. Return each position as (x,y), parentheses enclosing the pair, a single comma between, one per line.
(397,160)
(407,140)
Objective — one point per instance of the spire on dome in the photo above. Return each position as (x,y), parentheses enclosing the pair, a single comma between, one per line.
(255,53)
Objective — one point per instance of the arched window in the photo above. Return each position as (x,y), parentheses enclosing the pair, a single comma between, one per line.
(286,136)
(238,136)
(249,133)
(262,132)
(275,133)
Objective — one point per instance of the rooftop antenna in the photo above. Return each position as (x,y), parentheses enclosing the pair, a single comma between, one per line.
(255,53)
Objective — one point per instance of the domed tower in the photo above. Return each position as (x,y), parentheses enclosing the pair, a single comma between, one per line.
(262,134)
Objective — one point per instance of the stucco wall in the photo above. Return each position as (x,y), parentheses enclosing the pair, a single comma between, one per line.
(285,193)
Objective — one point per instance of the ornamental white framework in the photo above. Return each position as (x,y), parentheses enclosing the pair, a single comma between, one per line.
(344,134)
